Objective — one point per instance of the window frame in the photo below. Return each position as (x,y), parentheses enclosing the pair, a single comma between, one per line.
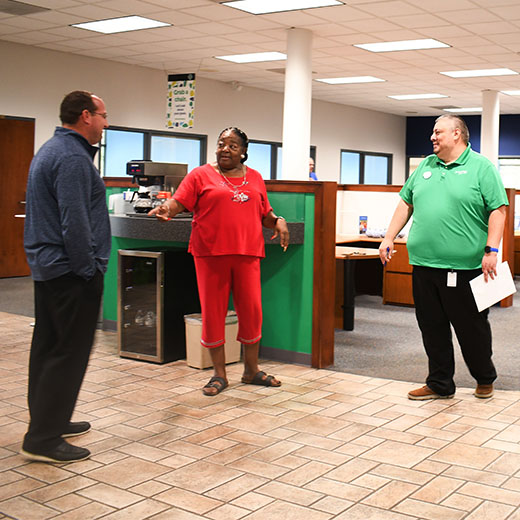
(274,155)
(148,134)
(362,156)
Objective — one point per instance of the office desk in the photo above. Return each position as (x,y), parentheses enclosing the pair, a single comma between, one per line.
(349,255)
(396,278)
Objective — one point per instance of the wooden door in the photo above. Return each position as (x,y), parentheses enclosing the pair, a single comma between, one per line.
(16,152)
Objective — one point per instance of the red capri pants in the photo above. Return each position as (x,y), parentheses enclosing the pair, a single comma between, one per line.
(217,276)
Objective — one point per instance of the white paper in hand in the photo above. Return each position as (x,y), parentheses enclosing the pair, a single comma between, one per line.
(487,294)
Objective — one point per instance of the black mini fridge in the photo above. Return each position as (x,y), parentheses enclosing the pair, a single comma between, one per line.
(156,288)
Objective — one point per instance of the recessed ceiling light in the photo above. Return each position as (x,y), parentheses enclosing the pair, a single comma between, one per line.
(123,24)
(478,73)
(473,109)
(254,57)
(276,6)
(417,96)
(353,79)
(404,45)
(511,92)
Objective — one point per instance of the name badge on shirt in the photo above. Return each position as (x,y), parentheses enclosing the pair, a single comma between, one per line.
(452,279)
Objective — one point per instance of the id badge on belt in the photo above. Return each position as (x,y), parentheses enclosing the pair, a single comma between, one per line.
(452,279)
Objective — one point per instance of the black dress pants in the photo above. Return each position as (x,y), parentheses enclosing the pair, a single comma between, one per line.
(436,307)
(66,310)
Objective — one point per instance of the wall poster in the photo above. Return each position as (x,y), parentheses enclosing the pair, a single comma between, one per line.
(180,111)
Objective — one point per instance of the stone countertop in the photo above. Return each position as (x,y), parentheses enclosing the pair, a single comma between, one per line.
(178,229)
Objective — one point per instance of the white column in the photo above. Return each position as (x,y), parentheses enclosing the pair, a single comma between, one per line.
(297,105)
(490,125)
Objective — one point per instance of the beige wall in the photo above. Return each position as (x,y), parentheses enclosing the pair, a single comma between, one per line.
(35,80)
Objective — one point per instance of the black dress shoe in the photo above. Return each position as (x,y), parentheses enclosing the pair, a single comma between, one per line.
(64,452)
(76,428)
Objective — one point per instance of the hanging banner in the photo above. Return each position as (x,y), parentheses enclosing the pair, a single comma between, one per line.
(180,110)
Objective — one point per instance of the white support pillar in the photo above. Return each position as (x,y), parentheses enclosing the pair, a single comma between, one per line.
(297,105)
(490,125)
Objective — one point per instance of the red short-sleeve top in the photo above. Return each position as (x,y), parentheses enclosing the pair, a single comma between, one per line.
(224,224)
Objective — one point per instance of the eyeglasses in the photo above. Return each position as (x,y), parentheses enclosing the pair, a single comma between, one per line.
(104,116)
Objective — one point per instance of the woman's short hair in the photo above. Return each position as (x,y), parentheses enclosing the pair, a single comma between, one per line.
(73,105)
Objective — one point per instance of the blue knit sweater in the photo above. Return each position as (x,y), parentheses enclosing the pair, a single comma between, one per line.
(67,228)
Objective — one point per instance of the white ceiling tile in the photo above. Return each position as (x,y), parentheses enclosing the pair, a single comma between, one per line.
(443,5)
(347,42)
(470,16)
(178,18)
(505,38)
(180,4)
(130,7)
(340,14)
(92,12)
(216,13)
(294,18)
(24,23)
(443,31)
(507,13)
(417,21)
(252,23)
(390,8)
(487,50)
(325,30)
(465,41)
(58,46)
(490,28)
(55,4)
(8,29)
(187,42)
(82,44)
(249,37)
(513,47)
(209,28)
(373,26)
(17,38)
(56,18)
(36,37)
(490,4)
(108,40)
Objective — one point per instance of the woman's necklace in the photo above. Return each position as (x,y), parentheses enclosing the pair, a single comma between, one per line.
(238,196)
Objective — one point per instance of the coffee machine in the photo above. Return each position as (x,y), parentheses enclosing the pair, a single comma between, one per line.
(154,178)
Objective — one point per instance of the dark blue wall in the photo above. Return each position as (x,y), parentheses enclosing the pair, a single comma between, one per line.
(419,130)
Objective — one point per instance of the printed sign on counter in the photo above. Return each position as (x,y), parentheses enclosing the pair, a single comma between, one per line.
(363,225)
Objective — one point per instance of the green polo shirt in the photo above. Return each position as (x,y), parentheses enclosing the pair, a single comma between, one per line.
(451,206)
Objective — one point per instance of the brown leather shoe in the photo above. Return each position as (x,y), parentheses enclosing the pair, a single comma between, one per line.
(424,393)
(484,391)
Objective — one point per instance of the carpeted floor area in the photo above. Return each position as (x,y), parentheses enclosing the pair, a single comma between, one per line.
(17,296)
(386,343)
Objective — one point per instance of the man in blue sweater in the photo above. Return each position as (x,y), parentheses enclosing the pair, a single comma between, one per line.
(67,243)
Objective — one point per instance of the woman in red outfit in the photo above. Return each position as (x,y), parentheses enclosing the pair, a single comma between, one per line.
(230,206)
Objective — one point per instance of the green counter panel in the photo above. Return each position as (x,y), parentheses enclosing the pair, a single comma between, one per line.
(287,278)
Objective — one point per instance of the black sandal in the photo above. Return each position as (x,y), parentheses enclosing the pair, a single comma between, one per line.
(219,383)
(262,379)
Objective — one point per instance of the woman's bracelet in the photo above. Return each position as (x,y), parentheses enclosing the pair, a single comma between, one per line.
(276,220)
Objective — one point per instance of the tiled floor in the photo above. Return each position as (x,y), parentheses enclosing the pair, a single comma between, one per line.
(326,445)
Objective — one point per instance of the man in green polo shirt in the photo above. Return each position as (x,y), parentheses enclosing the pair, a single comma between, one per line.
(458,202)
